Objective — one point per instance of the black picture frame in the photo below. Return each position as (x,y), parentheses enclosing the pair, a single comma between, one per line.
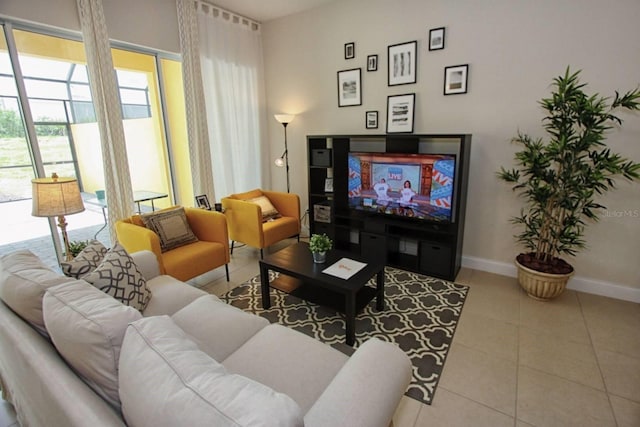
(402,60)
(202,201)
(350,87)
(401,113)
(436,38)
(349,50)
(371,120)
(456,78)
(372,63)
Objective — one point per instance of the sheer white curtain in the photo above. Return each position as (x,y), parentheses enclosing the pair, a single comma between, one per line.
(197,129)
(232,74)
(106,101)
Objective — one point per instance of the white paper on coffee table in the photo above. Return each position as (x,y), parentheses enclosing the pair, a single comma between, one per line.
(344,268)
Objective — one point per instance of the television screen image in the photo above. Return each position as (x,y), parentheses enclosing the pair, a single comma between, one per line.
(416,186)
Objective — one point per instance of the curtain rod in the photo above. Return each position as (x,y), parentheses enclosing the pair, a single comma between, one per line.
(235,17)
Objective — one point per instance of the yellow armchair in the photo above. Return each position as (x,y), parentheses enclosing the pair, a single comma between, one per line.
(247,225)
(187,261)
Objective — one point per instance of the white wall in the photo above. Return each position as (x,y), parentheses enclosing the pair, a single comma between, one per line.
(146,23)
(513,49)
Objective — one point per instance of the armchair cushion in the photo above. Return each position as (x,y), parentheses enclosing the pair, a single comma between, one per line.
(119,277)
(171,226)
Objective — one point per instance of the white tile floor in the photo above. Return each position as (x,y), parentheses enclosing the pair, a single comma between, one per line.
(514,361)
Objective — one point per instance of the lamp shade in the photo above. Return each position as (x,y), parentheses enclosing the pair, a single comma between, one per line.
(56,196)
(284,118)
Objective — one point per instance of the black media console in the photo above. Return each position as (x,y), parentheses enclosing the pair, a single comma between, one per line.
(430,247)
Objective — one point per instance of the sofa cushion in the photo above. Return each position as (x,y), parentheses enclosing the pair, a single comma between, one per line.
(87,327)
(171,226)
(86,261)
(217,328)
(166,380)
(268,210)
(169,295)
(119,277)
(23,281)
(288,362)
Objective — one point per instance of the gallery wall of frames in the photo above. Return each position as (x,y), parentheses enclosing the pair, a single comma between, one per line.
(402,69)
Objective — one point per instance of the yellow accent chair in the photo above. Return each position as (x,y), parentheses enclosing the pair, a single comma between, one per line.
(211,250)
(260,223)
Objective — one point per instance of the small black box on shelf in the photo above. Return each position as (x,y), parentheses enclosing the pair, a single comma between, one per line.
(321,157)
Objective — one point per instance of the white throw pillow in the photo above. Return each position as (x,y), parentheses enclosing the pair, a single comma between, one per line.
(166,380)
(23,282)
(119,277)
(87,327)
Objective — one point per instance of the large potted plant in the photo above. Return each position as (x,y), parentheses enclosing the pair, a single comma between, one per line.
(561,178)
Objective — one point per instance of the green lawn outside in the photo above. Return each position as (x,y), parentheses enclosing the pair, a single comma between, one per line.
(15,183)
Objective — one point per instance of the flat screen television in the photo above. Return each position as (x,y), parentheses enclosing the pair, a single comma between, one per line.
(416,186)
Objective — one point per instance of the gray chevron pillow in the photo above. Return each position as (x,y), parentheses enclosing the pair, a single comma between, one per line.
(119,277)
(86,261)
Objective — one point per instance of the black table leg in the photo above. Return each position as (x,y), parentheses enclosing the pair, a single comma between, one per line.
(350,312)
(380,290)
(264,286)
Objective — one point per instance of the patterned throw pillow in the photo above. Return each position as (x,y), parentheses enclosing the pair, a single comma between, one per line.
(119,277)
(86,261)
(268,210)
(171,226)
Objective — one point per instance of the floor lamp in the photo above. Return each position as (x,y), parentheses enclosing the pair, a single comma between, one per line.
(283,160)
(57,197)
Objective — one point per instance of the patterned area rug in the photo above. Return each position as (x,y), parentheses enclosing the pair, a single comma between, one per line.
(421,314)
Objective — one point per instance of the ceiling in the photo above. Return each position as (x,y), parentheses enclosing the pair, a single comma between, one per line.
(266,10)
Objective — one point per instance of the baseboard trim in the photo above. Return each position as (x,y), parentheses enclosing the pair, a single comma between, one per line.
(577,283)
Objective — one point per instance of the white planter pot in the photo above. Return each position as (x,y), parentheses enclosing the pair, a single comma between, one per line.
(541,286)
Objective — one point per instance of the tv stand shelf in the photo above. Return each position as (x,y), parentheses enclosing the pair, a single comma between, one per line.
(424,246)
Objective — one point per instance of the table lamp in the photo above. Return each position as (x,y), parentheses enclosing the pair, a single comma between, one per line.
(283,160)
(57,197)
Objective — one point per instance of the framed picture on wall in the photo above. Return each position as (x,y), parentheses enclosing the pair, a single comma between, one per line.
(372,63)
(400,113)
(436,38)
(402,60)
(349,87)
(349,50)
(455,79)
(371,120)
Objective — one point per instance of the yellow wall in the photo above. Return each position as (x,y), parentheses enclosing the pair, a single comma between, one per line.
(177,120)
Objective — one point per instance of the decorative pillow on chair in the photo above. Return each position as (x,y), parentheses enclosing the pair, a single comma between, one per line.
(171,226)
(86,261)
(268,210)
(119,277)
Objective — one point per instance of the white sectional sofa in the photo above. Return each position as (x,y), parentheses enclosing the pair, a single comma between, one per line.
(187,359)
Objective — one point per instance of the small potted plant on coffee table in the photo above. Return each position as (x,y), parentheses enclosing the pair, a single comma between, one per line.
(319,244)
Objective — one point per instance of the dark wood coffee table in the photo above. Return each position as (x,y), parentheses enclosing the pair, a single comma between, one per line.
(301,277)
